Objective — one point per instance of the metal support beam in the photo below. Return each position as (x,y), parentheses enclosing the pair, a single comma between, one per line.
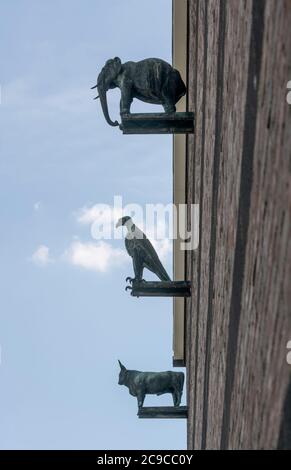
(160,289)
(157,123)
(163,412)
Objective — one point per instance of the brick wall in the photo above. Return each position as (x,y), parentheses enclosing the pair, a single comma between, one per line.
(238,320)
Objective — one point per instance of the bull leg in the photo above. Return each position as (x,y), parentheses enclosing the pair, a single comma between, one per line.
(177,395)
(140,399)
(174,395)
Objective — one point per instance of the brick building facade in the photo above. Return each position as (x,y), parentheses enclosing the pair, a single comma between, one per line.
(237,167)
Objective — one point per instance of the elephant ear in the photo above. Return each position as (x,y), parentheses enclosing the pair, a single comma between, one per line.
(109,72)
(117,65)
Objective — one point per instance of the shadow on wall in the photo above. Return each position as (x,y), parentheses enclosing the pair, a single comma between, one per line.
(285,429)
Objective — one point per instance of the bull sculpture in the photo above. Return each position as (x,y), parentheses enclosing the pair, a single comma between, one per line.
(149,80)
(141,384)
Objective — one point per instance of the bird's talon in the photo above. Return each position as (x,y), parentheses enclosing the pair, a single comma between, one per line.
(128,288)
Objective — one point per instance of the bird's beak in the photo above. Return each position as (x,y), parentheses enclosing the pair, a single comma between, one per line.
(118,224)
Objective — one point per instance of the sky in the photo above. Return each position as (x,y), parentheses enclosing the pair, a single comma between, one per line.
(65,318)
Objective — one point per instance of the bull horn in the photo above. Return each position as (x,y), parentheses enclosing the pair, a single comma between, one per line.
(121,365)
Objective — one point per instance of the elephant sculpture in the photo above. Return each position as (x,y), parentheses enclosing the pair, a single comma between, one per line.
(150,80)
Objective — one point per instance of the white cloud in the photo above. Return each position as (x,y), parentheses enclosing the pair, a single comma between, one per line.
(103,218)
(36,206)
(41,256)
(102,213)
(100,257)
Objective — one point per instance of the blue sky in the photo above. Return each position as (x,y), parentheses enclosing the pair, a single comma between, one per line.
(64,323)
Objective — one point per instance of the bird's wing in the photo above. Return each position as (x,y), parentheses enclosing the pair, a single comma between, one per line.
(137,256)
(150,258)
(129,245)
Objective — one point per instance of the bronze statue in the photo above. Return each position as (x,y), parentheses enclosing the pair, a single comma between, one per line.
(142,252)
(141,384)
(150,80)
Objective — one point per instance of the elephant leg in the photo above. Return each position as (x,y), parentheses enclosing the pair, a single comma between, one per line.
(169,107)
(169,95)
(126,97)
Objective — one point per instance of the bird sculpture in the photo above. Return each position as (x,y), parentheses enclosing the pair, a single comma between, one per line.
(142,252)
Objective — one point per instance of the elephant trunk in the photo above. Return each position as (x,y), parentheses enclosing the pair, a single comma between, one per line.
(103,100)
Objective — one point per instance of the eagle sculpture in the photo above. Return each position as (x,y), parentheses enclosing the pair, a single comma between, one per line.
(142,252)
